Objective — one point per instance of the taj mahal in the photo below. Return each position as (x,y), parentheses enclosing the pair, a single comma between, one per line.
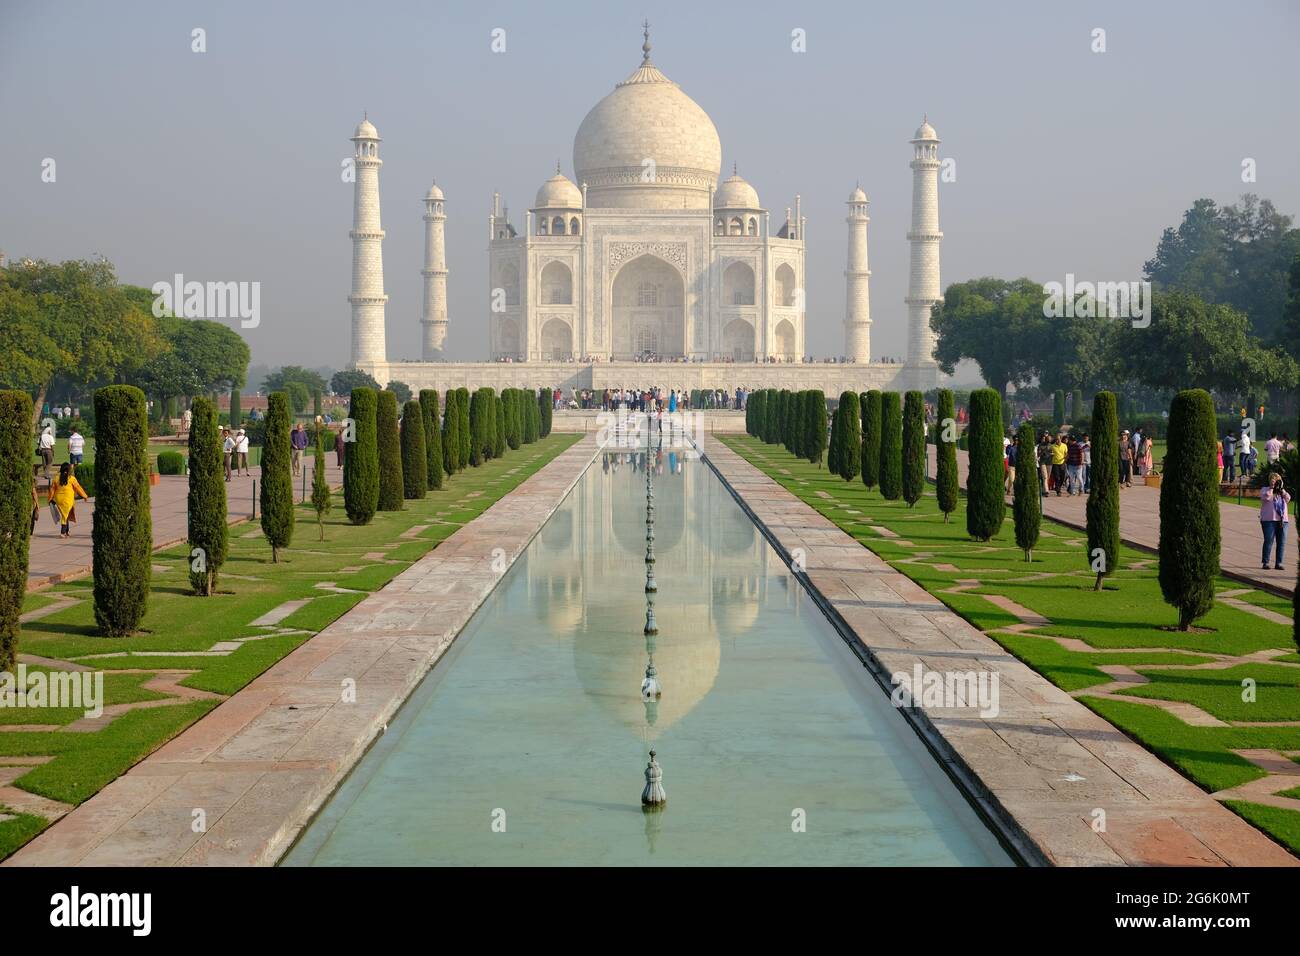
(645,256)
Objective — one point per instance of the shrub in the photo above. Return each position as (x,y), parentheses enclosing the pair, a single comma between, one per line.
(1027,505)
(277,476)
(914,453)
(545,406)
(361,460)
(479,409)
(451,462)
(85,473)
(1189,508)
(532,417)
(514,427)
(871,422)
(986,504)
(891,446)
(754,413)
(415,477)
(1103,496)
(786,431)
(207,498)
(850,460)
(171,463)
(320,486)
(499,445)
(462,427)
(814,431)
(774,411)
(401,391)
(122,532)
(430,416)
(390,453)
(15,517)
(945,453)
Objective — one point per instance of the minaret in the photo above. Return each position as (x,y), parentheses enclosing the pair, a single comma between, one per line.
(923,287)
(367,296)
(857,296)
(435,277)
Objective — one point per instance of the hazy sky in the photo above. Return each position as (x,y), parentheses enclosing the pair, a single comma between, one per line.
(225,165)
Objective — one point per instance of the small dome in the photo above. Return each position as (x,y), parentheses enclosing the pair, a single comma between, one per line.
(366,130)
(558,192)
(434,192)
(925,131)
(857,195)
(735,193)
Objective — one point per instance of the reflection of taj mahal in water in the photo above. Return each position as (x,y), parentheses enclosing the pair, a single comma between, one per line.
(646,256)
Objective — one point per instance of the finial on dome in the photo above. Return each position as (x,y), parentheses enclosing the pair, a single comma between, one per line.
(645,47)
(735,170)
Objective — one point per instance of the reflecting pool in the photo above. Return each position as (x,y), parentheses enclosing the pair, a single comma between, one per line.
(527,743)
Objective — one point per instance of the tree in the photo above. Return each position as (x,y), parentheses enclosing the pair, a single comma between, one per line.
(463,432)
(432,437)
(754,413)
(479,409)
(1189,508)
(415,476)
(1103,498)
(450,434)
(891,446)
(391,486)
(1290,330)
(401,390)
(277,477)
(320,486)
(348,380)
(514,431)
(1027,505)
(986,504)
(787,419)
(546,405)
(1076,403)
(207,498)
(122,532)
(236,413)
(532,419)
(361,462)
(499,435)
(298,395)
(15,517)
(774,411)
(914,452)
(871,433)
(945,454)
(1058,408)
(997,323)
(834,449)
(316,405)
(490,422)
(814,431)
(278,380)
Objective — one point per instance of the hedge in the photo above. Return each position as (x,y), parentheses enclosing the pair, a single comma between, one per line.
(171,463)
(891,446)
(430,416)
(15,517)
(276,488)
(1189,508)
(389,443)
(1027,505)
(361,459)
(1102,511)
(945,445)
(206,504)
(986,505)
(415,477)
(122,532)
(914,452)
(871,411)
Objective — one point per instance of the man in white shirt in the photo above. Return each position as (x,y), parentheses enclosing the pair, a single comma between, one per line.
(76,446)
(1243,450)
(46,449)
(241,449)
(227,449)
(1273,449)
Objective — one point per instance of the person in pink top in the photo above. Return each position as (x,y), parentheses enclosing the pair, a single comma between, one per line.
(1273,519)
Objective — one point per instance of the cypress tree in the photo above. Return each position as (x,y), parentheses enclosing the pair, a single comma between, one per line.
(837,441)
(122,532)
(15,517)
(913,447)
(774,412)
(1103,496)
(415,459)
(1189,508)
(478,434)
(1027,505)
(785,418)
(464,433)
(361,462)
(1058,408)
(391,486)
(432,438)
(236,413)
(499,434)
(871,430)
(276,491)
(532,418)
(986,504)
(1077,400)
(545,405)
(490,422)
(814,433)
(891,446)
(514,433)
(451,433)
(206,511)
(320,486)
(945,453)
(850,456)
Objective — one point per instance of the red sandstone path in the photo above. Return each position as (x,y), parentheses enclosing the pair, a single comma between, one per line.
(1139,524)
(53,559)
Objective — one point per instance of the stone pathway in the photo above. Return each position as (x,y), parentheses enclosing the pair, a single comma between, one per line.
(262,763)
(1140,525)
(1045,763)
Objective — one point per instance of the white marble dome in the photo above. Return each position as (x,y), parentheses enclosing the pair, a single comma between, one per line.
(434,192)
(857,195)
(559,192)
(647,120)
(735,193)
(366,130)
(925,131)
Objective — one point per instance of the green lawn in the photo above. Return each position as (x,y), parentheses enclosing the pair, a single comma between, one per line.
(1127,623)
(178,622)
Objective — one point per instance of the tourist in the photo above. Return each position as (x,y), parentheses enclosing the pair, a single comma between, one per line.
(186,418)
(1273,449)
(1074,467)
(1010,452)
(1273,519)
(227,450)
(297,444)
(36,507)
(63,498)
(1059,453)
(340,446)
(1218,445)
(45,449)
(1243,451)
(1125,461)
(1136,443)
(1148,466)
(1087,464)
(1230,456)
(241,450)
(76,446)
(1044,463)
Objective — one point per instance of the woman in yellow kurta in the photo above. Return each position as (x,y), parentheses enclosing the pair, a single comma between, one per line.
(63,497)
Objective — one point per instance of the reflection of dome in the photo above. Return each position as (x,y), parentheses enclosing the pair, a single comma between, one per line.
(563,601)
(557,533)
(735,193)
(670,512)
(647,144)
(735,605)
(558,193)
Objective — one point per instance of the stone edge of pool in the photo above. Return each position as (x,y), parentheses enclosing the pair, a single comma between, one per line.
(1019,767)
(267,759)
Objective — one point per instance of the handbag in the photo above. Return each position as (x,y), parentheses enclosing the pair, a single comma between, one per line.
(54,513)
